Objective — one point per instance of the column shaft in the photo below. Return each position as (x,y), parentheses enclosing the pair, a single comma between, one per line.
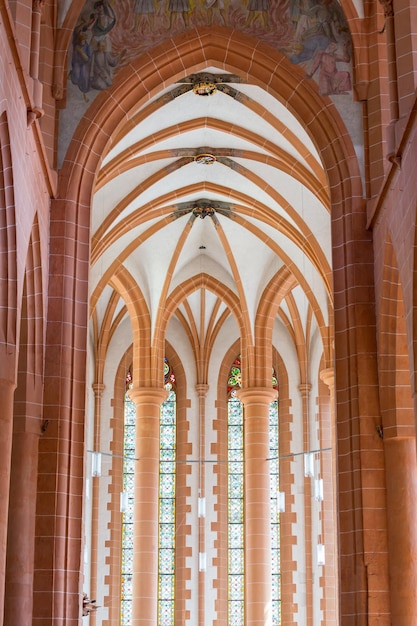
(258,579)
(21,531)
(401,479)
(7,388)
(145,540)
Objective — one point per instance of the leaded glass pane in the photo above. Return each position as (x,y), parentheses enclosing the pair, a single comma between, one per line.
(236,612)
(236,564)
(235,412)
(166,588)
(167,467)
(236,467)
(126,612)
(235,508)
(165,612)
(236,455)
(235,486)
(236,586)
(127,586)
(167,485)
(276,613)
(166,535)
(235,536)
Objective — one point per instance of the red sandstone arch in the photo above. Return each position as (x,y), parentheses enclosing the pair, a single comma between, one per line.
(256,62)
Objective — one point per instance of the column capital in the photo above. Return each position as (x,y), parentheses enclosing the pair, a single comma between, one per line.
(98,389)
(148,395)
(257,395)
(304,389)
(202,389)
(327,376)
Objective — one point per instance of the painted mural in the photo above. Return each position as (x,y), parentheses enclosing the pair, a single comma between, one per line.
(311,33)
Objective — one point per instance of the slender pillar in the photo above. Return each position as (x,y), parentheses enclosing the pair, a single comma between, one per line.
(202,390)
(258,583)
(7,388)
(145,538)
(21,531)
(401,481)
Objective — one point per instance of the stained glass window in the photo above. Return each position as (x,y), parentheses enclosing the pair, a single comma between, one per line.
(235,501)
(275,527)
(167,466)
(127,519)
(236,572)
(167,463)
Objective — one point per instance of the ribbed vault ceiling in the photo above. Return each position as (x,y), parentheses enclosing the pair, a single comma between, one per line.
(207,206)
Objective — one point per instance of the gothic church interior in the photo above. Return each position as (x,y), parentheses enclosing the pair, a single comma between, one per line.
(208,235)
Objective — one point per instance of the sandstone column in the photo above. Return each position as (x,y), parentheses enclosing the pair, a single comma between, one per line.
(401,480)
(258,584)
(7,388)
(145,540)
(21,530)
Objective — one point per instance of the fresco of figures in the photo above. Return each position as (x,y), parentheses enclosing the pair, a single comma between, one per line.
(312,34)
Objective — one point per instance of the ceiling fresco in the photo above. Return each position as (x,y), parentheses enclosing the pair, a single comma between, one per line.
(312,34)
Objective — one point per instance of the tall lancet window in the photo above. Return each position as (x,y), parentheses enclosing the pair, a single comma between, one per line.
(236,572)
(276,507)
(235,501)
(167,467)
(127,506)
